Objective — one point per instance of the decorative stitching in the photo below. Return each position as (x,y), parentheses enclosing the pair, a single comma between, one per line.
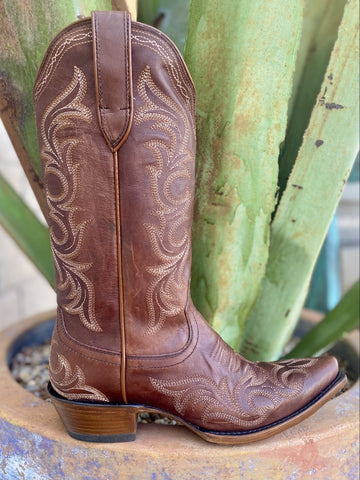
(170,235)
(66,234)
(158,44)
(249,402)
(225,356)
(98,64)
(81,36)
(71,383)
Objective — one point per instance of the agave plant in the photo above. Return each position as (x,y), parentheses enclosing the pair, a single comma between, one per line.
(277,130)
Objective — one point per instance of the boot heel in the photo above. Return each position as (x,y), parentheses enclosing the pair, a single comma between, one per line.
(92,422)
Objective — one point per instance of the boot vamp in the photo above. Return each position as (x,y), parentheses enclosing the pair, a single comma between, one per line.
(215,388)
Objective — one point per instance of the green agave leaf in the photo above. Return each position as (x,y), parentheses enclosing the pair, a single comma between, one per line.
(170,16)
(27,27)
(314,188)
(27,231)
(148,11)
(336,324)
(320,27)
(242,57)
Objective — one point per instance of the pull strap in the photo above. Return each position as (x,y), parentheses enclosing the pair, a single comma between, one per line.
(113,79)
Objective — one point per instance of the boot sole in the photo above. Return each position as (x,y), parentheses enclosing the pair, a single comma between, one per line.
(115,422)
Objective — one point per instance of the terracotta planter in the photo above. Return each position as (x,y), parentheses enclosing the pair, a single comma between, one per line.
(34,445)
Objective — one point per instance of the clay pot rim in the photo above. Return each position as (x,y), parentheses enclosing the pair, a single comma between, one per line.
(22,408)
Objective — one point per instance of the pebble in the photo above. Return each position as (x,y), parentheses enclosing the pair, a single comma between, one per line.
(30,369)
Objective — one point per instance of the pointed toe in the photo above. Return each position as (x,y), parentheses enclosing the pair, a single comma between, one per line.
(322,373)
(116,115)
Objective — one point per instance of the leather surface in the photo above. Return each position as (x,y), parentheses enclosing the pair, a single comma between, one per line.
(120,228)
(112,62)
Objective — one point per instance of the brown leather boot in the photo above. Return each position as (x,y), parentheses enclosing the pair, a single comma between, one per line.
(115,110)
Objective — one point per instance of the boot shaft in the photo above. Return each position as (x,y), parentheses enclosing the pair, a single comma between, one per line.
(115,111)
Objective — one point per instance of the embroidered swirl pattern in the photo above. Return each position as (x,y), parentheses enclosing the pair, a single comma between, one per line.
(72,383)
(79,36)
(247,403)
(224,355)
(170,175)
(171,63)
(61,183)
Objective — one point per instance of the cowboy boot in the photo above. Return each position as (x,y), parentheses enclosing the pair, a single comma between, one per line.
(115,111)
